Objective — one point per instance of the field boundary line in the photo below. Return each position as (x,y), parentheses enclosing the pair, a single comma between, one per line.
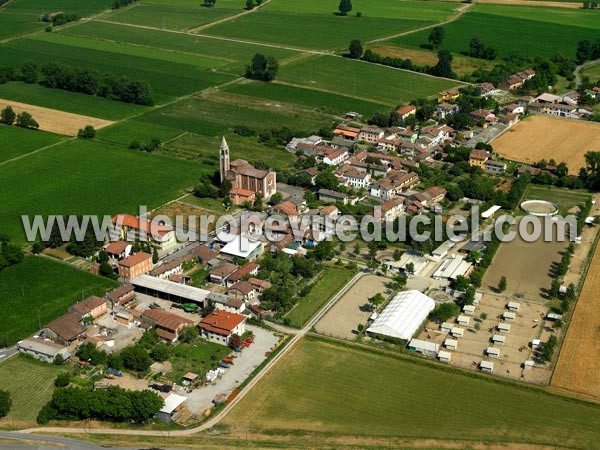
(38,150)
(228,18)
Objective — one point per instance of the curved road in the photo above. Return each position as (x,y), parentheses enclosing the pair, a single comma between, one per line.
(582,66)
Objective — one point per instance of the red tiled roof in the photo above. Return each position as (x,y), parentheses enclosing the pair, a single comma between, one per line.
(204,253)
(287,207)
(166,320)
(221,322)
(259,283)
(134,260)
(243,271)
(241,192)
(68,326)
(406,109)
(224,270)
(244,287)
(117,247)
(86,306)
(130,221)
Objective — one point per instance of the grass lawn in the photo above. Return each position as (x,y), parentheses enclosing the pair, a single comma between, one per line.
(73,102)
(202,149)
(89,177)
(166,72)
(337,390)
(30,384)
(199,358)
(19,141)
(314,25)
(564,198)
(319,101)
(532,31)
(328,284)
(593,72)
(362,80)
(42,286)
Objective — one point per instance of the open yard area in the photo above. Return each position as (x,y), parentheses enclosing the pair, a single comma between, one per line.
(331,389)
(30,384)
(526,265)
(530,30)
(343,318)
(567,200)
(56,121)
(38,290)
(578,367)
(326,286)
(542,137)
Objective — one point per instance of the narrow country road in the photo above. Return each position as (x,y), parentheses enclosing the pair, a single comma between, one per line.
(577,71)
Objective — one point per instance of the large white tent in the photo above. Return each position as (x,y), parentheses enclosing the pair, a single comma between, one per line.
(403,315)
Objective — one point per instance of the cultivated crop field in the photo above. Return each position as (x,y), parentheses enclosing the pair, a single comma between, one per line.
(18,141)
(329,389)
(30,384)
(56,121)
(530,30)
(542,137)
(45,288)
(578,367)
(326,286)
(81,177)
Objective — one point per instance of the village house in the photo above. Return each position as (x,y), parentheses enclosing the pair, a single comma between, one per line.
(243,175)
(259,285)
(135,265)
(370,134)
(311,174)
(383,189)
(332,157)
(517,80)
(482,116)
(220,325)
(485,88)
(204,254)
(310,140)
(406,111)
(66,329)
(430,196)
(243,291)
(513,108)
(239,196)
(166,270)
(92,307)
(118,250)
(250,268)
(227,302)
(444,110)
(219,274)
(352,177)
(492,167)
(390,210)
(553,109)
(167,325)
(509,119)
(121,295)
(329,196)
(448,96)
(349,133)
(478,158)
(130,228)
(435,135)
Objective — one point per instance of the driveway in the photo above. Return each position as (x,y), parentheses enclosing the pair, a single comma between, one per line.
(201,399)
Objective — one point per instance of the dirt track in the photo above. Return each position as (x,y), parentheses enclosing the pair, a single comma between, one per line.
(533,3)
(543,137)
(56,121)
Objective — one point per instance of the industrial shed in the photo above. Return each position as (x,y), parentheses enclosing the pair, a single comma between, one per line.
(452,267)
(486,366)
(446,326)
(493,352)
(403,315)
(463,321)
(444,356)
(469,310)
(498,339)
(418,262)
(504,327)
(425,347)
(457,332)
(509,316)
(451,344)
(171,408)
(169,290)
(513,306)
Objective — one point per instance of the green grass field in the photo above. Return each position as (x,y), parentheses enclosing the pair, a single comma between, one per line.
(593,72)
(329,390)
(82,8)
(319,101)
(73,102)
(330,282)
(16,24)
(18,141)
(83,177)
(314,25)
(362,80)
(564,198)
(532,31)
(164,71)
(197,358)
(41,286)
(30,384)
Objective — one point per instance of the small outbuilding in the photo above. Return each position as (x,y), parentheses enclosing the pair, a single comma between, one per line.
(509,316)
(171,408)
(528,365)
(503,327)
(498,339)
(463,321)
(513,306)
(486,366)
(451,344)
(447,327)
(469,310)
(424,347)
(492,352)
(444,356)
(536,343)
(457,332)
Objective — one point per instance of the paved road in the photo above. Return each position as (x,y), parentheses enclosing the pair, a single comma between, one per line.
(29,442)
(6,353)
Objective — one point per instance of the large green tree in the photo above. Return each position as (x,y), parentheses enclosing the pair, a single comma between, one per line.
(5,403)
(436,37)
(355,49)
(345,7)
(8,116)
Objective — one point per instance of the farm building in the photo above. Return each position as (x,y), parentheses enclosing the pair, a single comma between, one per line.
(403,315)
(498,339)
(463,321)
(457,332)
(425,347)
(93,307)
(509,316)
(124,318)
(492,352)
(477,243)
(169,290)
(171,409)
(486,366)
(444,356)
(135,265)
(451,344)
(121,295)
(42,349)
(443,250)
(452,267)
(469,310)
(535,343)
(503,327)
(554,316)
(65,329)
(418,262)
(447,327)
(513,306)
(220,325)
(168,325)
(242,247)
(528,365)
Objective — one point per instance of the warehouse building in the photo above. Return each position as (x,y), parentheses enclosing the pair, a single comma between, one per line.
(169,290)
(44,350)
(452,267)
(403,315)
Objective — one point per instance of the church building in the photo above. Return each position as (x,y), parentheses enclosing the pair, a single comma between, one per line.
(247,182)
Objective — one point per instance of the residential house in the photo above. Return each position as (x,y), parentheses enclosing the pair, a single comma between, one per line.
(311,174)
(492,167)
(219,274)
(332,157)
(352,177)
(243,291)
(430,196)
(135,265)
(227,302)
(390,210)
(204,254)
(444,110)
(121,295)
(310,140)
(239,196)
(509,119)
(259,285)
(92,306)
(486,88)
(220,325)
(517,80)
(370,134)
(250,268)
(118,249)
(166,270)
(482,116)
(130,228)
(435,135)
(329,196)
(553,109)
(478,158)
(66,329)
(406,111)
(447,96)
(513,108)
(167,325)
(349,133)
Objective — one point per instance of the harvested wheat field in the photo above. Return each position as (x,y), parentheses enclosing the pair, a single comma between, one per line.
(543,137)
(578,367)
(56,121)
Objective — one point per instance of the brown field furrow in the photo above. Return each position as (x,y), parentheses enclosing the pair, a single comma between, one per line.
(578,367)
(54,120)
(543,137)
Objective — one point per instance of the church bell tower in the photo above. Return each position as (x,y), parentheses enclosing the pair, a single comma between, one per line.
(224,159)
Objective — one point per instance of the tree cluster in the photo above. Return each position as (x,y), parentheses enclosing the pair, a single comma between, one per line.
(145,147)
(10,254)
(59,19)
(112,404)
(87,132)
(92,82)
(548,348)
(5,403)
(262,68)
(587,50)
(23,119)
(118,3)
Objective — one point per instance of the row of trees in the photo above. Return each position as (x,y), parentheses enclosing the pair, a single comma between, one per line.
(23,119)
(119,3)
(112,404)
